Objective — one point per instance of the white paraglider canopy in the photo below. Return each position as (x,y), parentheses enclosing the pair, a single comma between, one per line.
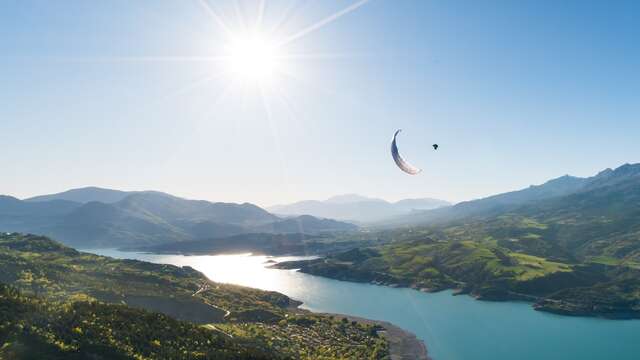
(402,164)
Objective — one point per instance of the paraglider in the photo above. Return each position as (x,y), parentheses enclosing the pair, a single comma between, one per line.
(402,164)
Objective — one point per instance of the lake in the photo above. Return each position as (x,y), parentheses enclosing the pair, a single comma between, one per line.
(452,327)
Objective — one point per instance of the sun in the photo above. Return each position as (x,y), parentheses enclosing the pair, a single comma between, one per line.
(255,52)
(253,57)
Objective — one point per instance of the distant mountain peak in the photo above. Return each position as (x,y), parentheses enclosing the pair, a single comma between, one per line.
(349,198)
(8,198)
(84,195)
(622,170)
(358,208)
(609,177)
(627,168)
(605,172)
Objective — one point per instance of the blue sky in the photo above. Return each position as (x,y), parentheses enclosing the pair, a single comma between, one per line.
(110,94)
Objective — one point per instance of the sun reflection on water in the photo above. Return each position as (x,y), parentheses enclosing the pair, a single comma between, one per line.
(239,269)
(242,269)
(439,318)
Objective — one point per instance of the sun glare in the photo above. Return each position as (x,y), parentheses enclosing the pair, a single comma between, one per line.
(252,54)
(253,57)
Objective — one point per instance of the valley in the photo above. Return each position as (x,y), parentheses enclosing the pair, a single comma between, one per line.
(452,327)
(569,247)
(61,303)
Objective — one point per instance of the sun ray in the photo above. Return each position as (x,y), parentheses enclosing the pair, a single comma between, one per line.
(202,125)
(319,56)
(222,95)
(192,85)
(288,104)
(261,5)
(275,134)
(291,112)
(201,80)
(218,20)
(146,59)
(323,22)
(308,84)
(288,13)
(240,15)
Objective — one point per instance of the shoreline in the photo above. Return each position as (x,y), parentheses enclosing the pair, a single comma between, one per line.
(537,303)
(403,344)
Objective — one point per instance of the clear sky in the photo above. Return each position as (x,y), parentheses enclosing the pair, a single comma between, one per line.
(135,95)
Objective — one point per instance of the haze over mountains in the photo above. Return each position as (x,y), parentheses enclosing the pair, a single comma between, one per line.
(564,191)
(94,217)
(352,207)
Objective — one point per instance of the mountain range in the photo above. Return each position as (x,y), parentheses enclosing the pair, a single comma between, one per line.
(357,208)
(576,215)
(570,245)
(558,189)
(95,217)
(571,219)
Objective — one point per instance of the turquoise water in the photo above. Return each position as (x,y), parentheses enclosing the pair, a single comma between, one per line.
(453,327)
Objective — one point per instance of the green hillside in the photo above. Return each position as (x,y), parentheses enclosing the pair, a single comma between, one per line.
(488,272)
(32,328)
(574,250)
(61,303)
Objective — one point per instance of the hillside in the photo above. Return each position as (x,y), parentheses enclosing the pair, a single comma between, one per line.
(145,218)
(18,215)
(306,224)
(494,205)
(33,328)
(571,246)
(488,272)
(357,208)
(262,243)
(600,222)
(61,303)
